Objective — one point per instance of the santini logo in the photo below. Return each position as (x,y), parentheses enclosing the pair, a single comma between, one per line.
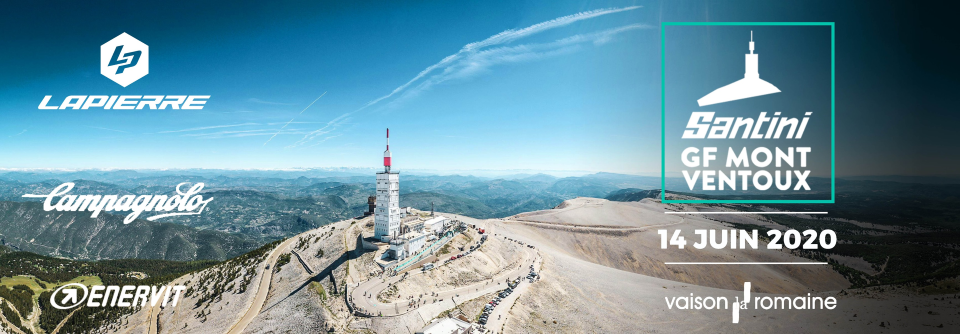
(750,86)
(188,202)
(69,295)
(124,59)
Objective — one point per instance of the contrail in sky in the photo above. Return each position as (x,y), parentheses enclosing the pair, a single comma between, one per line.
(503,37)
(21,132)
(208,128)
(291,120)
(472,50)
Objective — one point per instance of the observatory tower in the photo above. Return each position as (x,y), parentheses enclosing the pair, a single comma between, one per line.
(386,219)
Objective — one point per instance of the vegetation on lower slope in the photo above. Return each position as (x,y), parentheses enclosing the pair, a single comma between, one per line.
(282,261)
(13,317)
(29,279)
(21,296)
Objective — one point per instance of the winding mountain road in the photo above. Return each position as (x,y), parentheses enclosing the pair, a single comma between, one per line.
(255,306)
(364,296)
(262,289)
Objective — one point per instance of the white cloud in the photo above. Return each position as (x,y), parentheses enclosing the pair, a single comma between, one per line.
(106,129)
(291,120)
(209,127)
(256,100)
(245,133)
(331,125)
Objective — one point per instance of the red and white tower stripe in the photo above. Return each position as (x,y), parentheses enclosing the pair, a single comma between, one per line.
(386,154)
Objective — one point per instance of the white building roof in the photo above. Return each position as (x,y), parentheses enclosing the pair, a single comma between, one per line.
(446,326)
(434,220)
(409,236)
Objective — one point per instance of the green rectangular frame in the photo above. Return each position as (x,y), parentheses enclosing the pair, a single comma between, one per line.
(833,112)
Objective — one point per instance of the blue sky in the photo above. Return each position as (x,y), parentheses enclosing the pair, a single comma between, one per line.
(558,85)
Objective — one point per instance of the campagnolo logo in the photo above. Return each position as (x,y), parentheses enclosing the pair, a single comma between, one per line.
(75,294)
(186,202)
(125,60)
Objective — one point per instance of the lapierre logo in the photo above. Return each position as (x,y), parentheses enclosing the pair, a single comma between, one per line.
(127,102)
(69,295)
(188,203)
(124,60)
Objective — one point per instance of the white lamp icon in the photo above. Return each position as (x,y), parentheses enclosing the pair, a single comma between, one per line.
(750,86)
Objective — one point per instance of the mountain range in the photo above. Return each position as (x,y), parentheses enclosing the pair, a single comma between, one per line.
(250,208)
(25,226)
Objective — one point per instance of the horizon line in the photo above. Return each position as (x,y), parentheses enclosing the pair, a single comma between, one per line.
(651,174)
(744,213)
(778,263)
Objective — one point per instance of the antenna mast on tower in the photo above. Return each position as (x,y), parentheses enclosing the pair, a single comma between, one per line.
(386,154)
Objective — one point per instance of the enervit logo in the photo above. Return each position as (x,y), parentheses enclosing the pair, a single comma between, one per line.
(124,59)
(71,298)
(75,294)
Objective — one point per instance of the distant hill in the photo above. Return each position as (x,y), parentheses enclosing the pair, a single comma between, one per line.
(908,179)
(268,216)
(267,206)
(355,195)
(77,236)
(283,207)
(12,191)
(540,177)
(582,187)
(446,203)
(632,195)
(600,184)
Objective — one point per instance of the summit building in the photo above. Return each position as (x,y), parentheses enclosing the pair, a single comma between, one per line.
(386,220)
